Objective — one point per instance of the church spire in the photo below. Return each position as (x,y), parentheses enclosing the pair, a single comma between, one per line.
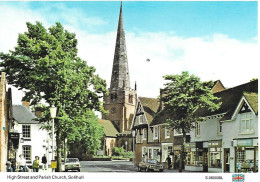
(120,73)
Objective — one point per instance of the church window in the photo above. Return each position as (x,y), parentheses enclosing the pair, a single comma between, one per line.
(113,96)
(130,98)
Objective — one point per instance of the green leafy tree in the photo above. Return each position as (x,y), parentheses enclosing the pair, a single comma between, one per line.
(45,64)
(183,95)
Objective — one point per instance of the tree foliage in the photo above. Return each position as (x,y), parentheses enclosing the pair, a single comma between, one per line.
(45,64)
(182,96)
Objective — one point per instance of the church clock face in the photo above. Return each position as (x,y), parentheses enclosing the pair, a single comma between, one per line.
(113,110)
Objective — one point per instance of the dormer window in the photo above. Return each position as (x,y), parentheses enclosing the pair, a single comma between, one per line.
(141,119)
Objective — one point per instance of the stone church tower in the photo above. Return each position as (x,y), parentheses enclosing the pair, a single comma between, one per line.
(121,100)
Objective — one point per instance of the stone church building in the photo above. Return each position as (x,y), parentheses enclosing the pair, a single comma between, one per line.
(121,101)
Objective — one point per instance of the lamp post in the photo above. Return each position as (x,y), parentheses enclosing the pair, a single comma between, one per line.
(53,111)
(133,135)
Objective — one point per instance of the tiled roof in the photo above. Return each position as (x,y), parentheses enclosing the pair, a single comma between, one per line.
(230,99)
(252,99)
(150,106)
(109,128)
(23,115)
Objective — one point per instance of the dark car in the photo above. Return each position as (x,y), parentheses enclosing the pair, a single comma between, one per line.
(150,165)
(72,164)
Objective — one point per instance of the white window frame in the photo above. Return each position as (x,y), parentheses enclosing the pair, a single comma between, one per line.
(26,152)
(220,127)
(25,135)
(144,133)
(141,119)
(155,132)
(197,129)
(167,132)
(246,123)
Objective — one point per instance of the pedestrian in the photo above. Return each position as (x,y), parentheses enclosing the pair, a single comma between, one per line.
(21,165)
(143,158)
(36,164)
(169,161)
(44,162)
(9,167)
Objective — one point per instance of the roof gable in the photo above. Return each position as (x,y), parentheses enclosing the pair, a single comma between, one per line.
(148,107)
(230,99)
(248,103)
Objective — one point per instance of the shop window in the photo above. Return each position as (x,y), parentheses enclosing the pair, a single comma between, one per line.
(246,124)
(215,157)
(27,152)
(155,132)
(167,132)
(197,129)
(245,159)
(26,129)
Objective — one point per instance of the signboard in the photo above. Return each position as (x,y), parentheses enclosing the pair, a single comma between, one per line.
(190,145)
(14,138)
(100,152)
(53,164)
(215,144)
(245,143)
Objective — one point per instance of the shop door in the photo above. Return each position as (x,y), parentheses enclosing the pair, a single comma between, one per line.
(226,160)
(205,160)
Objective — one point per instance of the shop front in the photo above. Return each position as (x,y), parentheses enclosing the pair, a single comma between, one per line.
(215,156)
(246,155)
(194,156)
(152,152)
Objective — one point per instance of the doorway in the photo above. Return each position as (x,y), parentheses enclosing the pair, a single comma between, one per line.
(226,160)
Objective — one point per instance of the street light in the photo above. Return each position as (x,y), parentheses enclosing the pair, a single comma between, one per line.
(133,135)
(53,111)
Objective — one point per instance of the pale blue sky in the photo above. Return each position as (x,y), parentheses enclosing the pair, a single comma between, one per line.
(186,19)
(213,40)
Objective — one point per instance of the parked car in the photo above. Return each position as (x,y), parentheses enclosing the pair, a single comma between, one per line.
(72,164)
(150,165)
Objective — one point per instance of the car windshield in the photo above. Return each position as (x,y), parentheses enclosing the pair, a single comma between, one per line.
(69,160)
(152,161)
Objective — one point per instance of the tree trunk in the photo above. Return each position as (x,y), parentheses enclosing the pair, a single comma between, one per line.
(59,149)
(181,161)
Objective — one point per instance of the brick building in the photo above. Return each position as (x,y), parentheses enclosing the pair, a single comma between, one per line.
(5,121)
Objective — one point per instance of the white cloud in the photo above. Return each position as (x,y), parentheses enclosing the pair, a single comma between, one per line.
(213,57)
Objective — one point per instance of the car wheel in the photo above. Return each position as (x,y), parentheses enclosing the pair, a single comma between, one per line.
(161,170)
(66,170)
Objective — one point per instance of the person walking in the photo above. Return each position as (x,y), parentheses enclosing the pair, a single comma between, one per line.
(169,161)
(44,162)
(21,165)
(36,164)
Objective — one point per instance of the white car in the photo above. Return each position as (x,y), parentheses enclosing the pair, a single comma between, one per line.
(72,164)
